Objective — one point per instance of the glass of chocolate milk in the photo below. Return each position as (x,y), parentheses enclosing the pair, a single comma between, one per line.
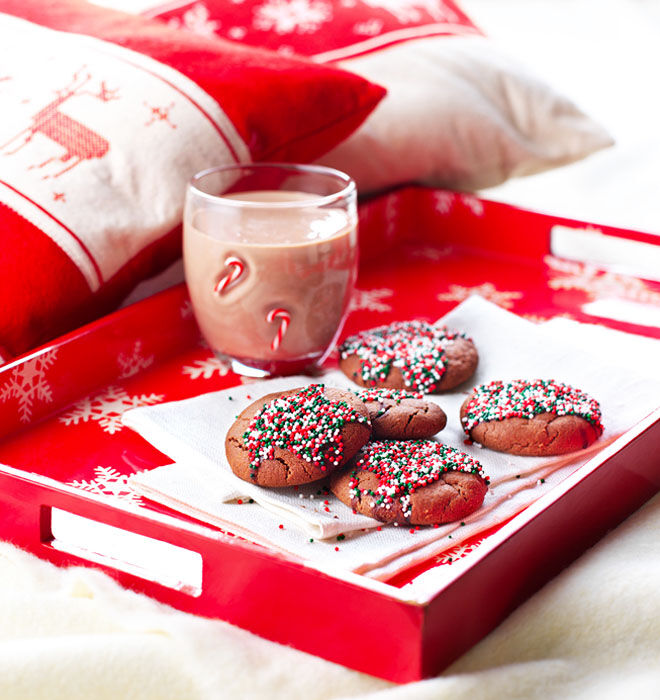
(270,257)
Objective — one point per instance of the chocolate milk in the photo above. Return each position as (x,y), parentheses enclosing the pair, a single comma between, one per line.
(270,286)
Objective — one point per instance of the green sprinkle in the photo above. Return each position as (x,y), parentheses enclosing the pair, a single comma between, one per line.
(416,348)
(306,423)
(521,398)
(341,537)
(404,467)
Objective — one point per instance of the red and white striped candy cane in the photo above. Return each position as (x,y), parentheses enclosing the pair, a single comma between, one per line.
(237,266)
(285,318)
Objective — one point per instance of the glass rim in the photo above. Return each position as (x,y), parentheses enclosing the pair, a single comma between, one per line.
(348,188)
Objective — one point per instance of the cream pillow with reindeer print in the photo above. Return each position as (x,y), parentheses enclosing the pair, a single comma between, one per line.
(105,116)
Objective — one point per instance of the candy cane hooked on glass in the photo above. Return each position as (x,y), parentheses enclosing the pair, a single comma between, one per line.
(285,318)
(237,266)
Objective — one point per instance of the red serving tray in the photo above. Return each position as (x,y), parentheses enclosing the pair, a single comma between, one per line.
(423,251)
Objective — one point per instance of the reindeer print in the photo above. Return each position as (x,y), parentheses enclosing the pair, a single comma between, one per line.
(160,114)
(79,142)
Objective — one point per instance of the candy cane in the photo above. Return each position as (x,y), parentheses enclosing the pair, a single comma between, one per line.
(237,267)
(285,319)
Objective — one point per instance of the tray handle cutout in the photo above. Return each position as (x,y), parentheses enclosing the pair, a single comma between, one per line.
(148,558)
(616,254)
(592,246)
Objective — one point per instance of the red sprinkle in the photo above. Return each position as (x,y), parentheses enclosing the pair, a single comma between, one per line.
(416,348)
(521,398)
(404,467)
(306,423)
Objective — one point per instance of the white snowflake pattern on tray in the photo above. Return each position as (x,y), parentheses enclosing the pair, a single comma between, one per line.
(370,300)
(534,318)
(108,482)
(207,368)
(186,309)
(107,408)
(487,290)
(451,555)
(28,384)
(597,283)
(428,252)
(392,214)
(474,204)
(288,16)
(537,318)
(133,363)
(443,201)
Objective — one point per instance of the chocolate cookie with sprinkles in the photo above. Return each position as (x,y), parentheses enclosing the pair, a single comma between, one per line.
(409,355)
(298,436)
(416,482)
(401,415)
(531,418)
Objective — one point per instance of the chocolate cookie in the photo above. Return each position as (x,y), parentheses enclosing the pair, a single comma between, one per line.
(297,436)
(418,482)
(412,355)
(401,415)
(534,418)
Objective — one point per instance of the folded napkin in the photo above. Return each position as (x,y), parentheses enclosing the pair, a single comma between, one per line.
(605,348)
(192,431)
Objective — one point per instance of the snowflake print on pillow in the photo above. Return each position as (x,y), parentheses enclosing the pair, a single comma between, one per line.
(459,113)
(105,117)
(301,16)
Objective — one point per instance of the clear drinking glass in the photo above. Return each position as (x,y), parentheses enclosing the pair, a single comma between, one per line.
(270,257)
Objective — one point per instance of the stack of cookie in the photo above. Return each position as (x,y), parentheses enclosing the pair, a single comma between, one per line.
(374,446)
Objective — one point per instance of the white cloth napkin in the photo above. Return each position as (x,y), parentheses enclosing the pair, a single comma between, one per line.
(192,433)
(605,346)
(202,494)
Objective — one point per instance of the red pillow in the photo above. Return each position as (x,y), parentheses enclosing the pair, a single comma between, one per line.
(105,116)
(459,112)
